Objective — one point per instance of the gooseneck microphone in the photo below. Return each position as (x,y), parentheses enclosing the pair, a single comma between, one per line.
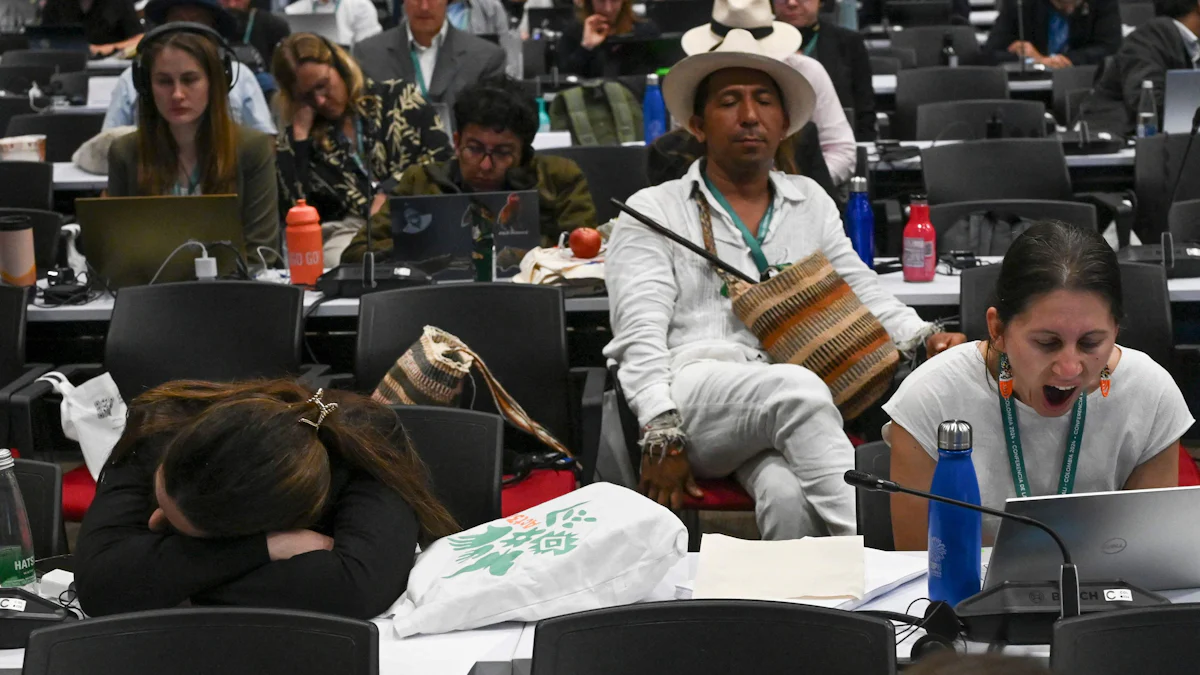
(1069,577)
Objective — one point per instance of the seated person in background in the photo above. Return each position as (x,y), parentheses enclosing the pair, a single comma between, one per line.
(245,99)
(582,50)
(1058,33)
(357,20)
(837,138)
(843,53)
(670,155)
(493,146)
(426,50)
(1051,356)
(260,32)
(1167,42)
(346,139)
(186,143)
(703,388)
(110,25)
(478,17)
(254,494)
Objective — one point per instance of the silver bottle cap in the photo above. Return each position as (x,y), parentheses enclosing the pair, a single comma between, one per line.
(954,435)
(858,184)
(652,78)
(6,460)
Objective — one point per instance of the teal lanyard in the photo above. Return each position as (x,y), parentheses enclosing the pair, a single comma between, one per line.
(192,186)
(812,45)
(420,75)
(1016,457)
(755,243)
(359,156)
(249,27)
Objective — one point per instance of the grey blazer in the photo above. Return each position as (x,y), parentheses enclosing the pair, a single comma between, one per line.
(462,60)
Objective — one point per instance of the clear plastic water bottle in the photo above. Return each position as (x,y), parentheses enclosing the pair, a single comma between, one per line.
(1147,112)
(860,221)
(949,54)
(955,534)
(654,110)
(16,539)
(514,52)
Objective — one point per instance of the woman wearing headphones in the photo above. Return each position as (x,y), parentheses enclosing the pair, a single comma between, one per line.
(345,139)
(186,143)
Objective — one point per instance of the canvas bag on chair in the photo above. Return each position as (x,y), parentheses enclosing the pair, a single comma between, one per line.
(93,414)
(597,113)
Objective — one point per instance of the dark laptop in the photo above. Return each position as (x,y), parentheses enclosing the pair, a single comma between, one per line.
(68,36)
(629,55)
(436,233)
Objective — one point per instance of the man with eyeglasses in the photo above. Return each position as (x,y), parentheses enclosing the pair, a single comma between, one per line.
(493,147)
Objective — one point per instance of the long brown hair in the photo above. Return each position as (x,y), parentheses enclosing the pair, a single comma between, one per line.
(216,142)
(237,460)
(300,48)
(625,17)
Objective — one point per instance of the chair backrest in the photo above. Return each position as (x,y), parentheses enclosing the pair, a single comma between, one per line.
(1011,168)
(1184,221)
(968,120)
(65,132)
(533,57)
(875,508)
(919,86)
(11,41)
(1159,640)
(227,640)
(13,303)
(977,286)
(1134,14)
(1156,166)
(909,13)
(518,330)
(884,65)
(1064,80)
(27,185)
(611,171)
(944,216)
(926,43)
(72,85)
(41,490)
(714,637)
(464,453)
(19,79)
(13,105)
(906,57)
(221,331)
(61,60)
(46,228)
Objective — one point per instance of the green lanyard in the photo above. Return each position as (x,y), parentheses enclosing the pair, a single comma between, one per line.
(420,75)
(1016,458)
(755,243)
(193,184)
(249,27)
(812,44)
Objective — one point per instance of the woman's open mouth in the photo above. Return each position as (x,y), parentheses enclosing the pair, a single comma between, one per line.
(1057,397)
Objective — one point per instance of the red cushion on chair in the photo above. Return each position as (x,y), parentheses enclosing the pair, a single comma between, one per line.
(79,489)
(1188,474)
(541,486)
(720,494)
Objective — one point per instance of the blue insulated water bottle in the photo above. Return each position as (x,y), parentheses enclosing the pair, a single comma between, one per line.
(654,110)
(955,534)
(860,221)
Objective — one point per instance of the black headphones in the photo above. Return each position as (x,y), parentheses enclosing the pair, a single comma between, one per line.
(940,623)
(141,70)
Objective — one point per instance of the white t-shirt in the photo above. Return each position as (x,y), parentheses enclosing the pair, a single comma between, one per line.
(1143,413)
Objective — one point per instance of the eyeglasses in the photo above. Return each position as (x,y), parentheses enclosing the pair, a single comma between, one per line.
(498,155)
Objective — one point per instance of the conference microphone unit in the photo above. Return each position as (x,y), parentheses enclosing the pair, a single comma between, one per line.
(1023,612)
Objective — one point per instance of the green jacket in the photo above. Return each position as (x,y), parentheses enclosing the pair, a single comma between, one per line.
(564,200)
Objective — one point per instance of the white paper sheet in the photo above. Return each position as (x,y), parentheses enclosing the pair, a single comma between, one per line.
(825,568)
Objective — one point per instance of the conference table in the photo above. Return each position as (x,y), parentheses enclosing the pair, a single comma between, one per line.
(1122,158)
(885,85)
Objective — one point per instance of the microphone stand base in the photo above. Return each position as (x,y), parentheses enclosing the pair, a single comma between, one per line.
(1024,612)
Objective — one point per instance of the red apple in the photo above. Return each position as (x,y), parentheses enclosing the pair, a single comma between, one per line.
(585,242)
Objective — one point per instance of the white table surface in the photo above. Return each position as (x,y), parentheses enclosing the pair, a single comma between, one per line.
(1124,157)
(983,17)
(70,178)
(886,84)
(109,64)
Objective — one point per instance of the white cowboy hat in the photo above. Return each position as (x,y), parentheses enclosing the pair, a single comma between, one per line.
(776,38)
(739,49)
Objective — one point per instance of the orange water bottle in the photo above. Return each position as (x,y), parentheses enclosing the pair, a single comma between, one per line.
(306,253)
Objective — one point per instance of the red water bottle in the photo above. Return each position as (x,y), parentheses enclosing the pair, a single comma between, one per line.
(919,253)
(306,252)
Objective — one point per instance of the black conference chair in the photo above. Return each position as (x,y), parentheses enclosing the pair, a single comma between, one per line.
(968,120)
(945,216)
(909,13)
(46,228)
(611,171)
(533,58)
(15,373)
(1184,221)
(920,86)
(926,43)
(884,65)
(1063,81)
(13,105)
(41,490)
(714,637)
(906,57)
(61,60)
(27,185)
(73,85)
(519,331)
(1159,640)
(1134,14)
(199,641)
(65,131)
(875,508)
(464,452)
(1157,184)
(13,41)
(20,79)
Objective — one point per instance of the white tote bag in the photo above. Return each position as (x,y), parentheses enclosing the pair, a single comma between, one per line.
(93,415)
(600,546)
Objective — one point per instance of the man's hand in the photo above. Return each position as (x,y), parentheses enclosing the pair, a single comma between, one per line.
(284,545)
(1026,49)
(158,521)
(595,31)
(940,342)
(1057,61)
(302,122)
(379,201)
(668,481)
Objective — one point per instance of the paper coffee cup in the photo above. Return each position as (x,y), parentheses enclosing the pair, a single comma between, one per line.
(16,251)
(31,148)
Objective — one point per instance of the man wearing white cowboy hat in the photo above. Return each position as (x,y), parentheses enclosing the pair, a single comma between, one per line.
(699,381)
(782,41)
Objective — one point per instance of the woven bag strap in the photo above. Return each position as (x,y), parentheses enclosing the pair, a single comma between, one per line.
(709,244)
